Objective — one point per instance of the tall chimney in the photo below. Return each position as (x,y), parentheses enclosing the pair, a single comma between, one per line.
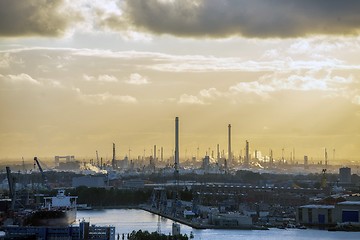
(247,157)
(229,145)
(326,158)
(177,144)
(114,157)
(162,154)
(154,153)
(294,155)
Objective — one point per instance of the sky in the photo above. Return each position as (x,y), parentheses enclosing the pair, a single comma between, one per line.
(77,76)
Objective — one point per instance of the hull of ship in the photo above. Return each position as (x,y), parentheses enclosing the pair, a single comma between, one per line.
(52,218)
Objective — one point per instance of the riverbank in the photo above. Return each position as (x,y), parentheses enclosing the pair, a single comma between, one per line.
(114,207)
(182,221)
(198,225)
(128,220)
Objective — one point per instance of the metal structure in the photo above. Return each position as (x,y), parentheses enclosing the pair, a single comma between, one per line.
(113,158)
(326,158)
(97,158)
(176,164)
(44,179)
(154,153)
(12,191)
(247,155)
(229,144)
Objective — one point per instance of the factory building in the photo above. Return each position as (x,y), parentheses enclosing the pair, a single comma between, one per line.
(329,215)
(67,159)
(206,164)
(81,232)
(345,175)
(231,220)
(89,181)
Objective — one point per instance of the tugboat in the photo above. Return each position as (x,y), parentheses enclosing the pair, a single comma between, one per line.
(56,211)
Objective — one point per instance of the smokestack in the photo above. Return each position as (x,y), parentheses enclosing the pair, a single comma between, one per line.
(218,152)
(326,158)
(162,154)
(229,144)
(177,144)
(113,158)
(247,154)
(306,161)
(154,153)
(294,155)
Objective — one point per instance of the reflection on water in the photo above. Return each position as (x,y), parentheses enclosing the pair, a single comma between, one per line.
(127,220)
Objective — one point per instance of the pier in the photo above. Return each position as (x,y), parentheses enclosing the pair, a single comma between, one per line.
(198,225)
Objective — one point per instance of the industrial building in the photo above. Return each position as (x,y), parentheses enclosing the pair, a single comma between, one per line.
(83,231)
(329,215)
(231,220)
(89,181)
(345,175)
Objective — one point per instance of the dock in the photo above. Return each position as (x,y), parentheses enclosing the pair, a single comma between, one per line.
(198,225)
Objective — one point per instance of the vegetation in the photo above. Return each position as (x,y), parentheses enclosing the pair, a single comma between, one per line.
(140,235)
(111,197)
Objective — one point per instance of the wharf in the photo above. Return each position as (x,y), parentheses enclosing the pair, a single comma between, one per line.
(182,221)
(199,225)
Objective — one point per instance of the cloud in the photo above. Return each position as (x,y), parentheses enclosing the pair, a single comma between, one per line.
(23,77)
(204,97)
(320,45)
(137,79)
(190,99)
(203,63)
(102,98)
(253,87)
(35,18)
(221,79)
(101,78)
(88,78)
(135,19)
(268,86)
(356,99)
(324,82)
(306,81)
(5,60)
(255,18)
(107,78)
(210,93)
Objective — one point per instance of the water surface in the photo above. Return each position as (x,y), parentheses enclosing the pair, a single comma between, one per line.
(127,220)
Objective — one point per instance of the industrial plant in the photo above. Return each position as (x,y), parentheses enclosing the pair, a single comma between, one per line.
(218,191)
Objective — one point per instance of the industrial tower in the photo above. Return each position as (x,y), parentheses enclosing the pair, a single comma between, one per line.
(176,164)
(229,145)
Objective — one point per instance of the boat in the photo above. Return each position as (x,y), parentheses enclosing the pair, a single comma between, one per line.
(56,211)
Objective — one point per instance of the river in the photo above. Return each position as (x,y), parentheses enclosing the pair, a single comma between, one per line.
(127,220)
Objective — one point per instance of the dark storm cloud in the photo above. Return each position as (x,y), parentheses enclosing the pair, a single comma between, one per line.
(33,17)
(250,18)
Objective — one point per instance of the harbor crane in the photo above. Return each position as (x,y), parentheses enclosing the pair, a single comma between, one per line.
(12,191)
(44,179)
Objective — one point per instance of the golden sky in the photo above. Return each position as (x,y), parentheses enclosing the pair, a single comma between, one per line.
(76,76)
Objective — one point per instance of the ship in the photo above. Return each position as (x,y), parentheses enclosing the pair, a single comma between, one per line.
(59,210)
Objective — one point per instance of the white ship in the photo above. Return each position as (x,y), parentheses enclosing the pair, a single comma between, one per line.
(57,211)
